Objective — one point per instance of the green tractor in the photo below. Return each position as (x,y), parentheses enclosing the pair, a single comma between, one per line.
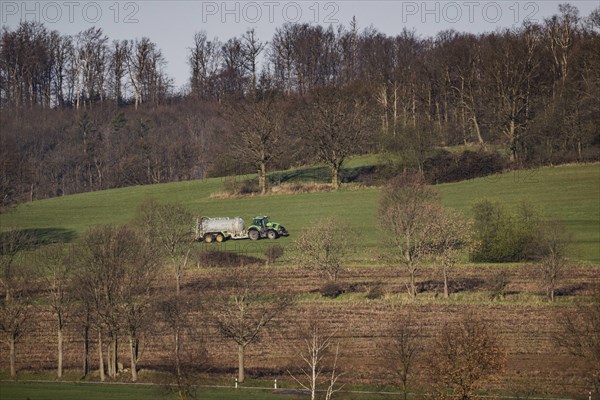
(222,228)
(261,228)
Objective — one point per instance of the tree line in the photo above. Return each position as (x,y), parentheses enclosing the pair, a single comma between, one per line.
(82,113)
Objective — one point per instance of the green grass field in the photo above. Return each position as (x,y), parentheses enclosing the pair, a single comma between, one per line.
(571,193)
(91,391)
(96,391)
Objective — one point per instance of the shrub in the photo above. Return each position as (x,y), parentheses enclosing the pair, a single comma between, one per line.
(449,167)
(375,291)
(466,354)
(219,258)
(331,290)
(501,236)
(240,187)
(301,187)
(498,284)
(273,253)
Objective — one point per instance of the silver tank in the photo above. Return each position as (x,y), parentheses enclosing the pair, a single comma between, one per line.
(231,225)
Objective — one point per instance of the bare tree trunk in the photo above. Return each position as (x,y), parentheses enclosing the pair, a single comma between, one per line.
(109,363)
(513,142)
(446,292)
(439,123)
(114,356)
(331,389)
(313,378)
(395,109)
(133,349)
(412,290)
(335,176)
(100,358)
(60,353)
(178,271)
(241,374)
(86,350)
(262,178)
(413,286)
(382,98)
(13,359)
(414,109)
(478,131)
(177,340)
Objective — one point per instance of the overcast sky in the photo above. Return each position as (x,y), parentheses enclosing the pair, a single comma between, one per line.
(172,24)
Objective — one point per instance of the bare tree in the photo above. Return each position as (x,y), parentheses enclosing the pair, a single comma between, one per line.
(118,59)
(282,56)
(407,211)
(204,60)
(57,273)
(15,311)
(512,65)
(16,281)
(319,355)
(115,272)
(553,244)
(451,236)
(258,124)
(463,76)
(243,308)
(175,313)
(83,316)
(466,354)
(138,298)
(90,65)
(252,47)
(401,349)
(579,333)
(12,243)
(335,128)
(145,62)
(233,77)
(561,32)
(168,227)
(324,249)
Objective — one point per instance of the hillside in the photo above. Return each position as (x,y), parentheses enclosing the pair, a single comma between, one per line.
(569,192)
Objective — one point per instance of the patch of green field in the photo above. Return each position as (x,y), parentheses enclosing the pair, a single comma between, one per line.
(571,193)
(92,391)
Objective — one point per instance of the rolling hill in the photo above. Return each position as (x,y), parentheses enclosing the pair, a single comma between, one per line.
(570,192)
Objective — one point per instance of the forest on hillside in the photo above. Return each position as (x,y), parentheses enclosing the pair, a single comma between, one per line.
(84,113)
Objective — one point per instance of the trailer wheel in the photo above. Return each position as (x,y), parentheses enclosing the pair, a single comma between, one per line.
(271,234)
(208,238)
(219,238)
(253,235)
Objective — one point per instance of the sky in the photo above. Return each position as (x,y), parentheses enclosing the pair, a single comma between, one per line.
(172,24)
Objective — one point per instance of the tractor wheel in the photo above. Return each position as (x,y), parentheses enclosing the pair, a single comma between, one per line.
(272,234)
(253,235)
(219,238)
(208,238)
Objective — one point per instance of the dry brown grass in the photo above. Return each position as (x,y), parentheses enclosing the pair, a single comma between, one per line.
(287,189)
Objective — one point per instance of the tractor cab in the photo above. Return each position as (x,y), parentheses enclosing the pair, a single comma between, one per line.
(261,223)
